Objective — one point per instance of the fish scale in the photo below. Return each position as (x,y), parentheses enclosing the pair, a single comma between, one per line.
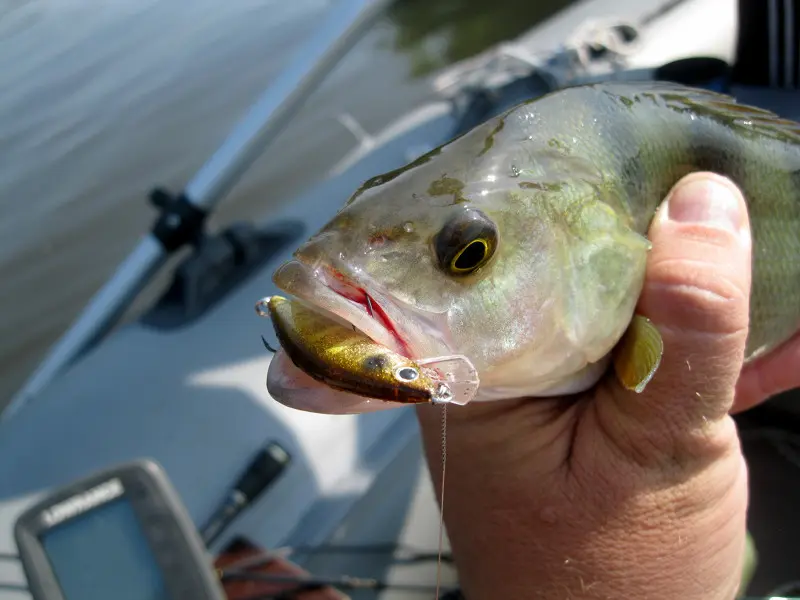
(682,132)
(647,136)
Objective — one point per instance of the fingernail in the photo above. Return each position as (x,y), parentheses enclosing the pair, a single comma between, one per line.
(707,201)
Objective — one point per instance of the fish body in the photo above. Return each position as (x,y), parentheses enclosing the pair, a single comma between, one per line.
(522,243)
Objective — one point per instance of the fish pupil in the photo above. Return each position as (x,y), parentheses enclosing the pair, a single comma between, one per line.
(471,256)
(466,242)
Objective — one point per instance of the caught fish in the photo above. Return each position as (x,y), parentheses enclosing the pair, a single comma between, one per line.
(344,359)
(521,245)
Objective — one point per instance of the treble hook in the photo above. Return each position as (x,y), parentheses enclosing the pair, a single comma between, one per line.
(267,346)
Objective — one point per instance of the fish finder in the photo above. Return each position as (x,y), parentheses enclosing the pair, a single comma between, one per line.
(122,533)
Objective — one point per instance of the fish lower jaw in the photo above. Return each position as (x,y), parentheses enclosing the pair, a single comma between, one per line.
(292,387)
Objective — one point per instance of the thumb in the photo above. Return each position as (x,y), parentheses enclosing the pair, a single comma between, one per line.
(696,293)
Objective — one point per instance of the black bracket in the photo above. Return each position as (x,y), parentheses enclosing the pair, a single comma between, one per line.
(217,265)
(218,262)
(179,222)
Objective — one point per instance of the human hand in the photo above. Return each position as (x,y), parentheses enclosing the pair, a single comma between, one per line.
(612,494)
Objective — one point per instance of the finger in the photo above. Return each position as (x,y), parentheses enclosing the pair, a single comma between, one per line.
(769,375)
(696,292)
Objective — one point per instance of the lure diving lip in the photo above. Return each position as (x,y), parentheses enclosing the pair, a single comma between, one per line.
(356,373)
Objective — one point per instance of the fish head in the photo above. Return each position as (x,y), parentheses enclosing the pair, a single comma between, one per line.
(377,265)
(532,280)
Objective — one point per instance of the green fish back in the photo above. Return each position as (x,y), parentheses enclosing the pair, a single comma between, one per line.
(644,137)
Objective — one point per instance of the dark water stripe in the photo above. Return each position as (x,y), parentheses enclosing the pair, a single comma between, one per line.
(768,45)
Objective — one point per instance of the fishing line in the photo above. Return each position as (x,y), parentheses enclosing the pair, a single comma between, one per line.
(441,502)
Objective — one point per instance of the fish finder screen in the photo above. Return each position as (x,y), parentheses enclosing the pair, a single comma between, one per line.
(104,554)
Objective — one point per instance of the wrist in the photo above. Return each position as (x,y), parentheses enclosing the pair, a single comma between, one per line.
(523,525)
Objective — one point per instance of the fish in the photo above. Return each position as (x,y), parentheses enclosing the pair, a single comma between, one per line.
(521,245)
(346,360)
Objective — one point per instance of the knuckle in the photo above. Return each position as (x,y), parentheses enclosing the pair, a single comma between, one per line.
(697,296)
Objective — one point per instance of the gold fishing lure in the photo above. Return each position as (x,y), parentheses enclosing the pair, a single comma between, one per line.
(342,357)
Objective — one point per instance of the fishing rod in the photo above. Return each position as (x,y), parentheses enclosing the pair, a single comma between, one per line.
(310,582)
(182,217)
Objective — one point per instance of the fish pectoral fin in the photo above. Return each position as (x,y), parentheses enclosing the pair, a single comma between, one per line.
(637,356)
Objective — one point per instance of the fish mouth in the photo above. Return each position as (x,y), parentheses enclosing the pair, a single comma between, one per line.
(337,295)
(346,300)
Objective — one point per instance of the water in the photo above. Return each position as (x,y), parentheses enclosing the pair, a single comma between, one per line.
(101,101)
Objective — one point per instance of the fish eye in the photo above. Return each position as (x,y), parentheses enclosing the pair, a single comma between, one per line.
(466,242)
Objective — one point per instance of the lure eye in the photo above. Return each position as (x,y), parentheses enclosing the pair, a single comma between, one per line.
(406,374)
(466,242)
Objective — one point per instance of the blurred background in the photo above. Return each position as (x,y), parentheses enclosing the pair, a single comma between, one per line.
(101,101)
